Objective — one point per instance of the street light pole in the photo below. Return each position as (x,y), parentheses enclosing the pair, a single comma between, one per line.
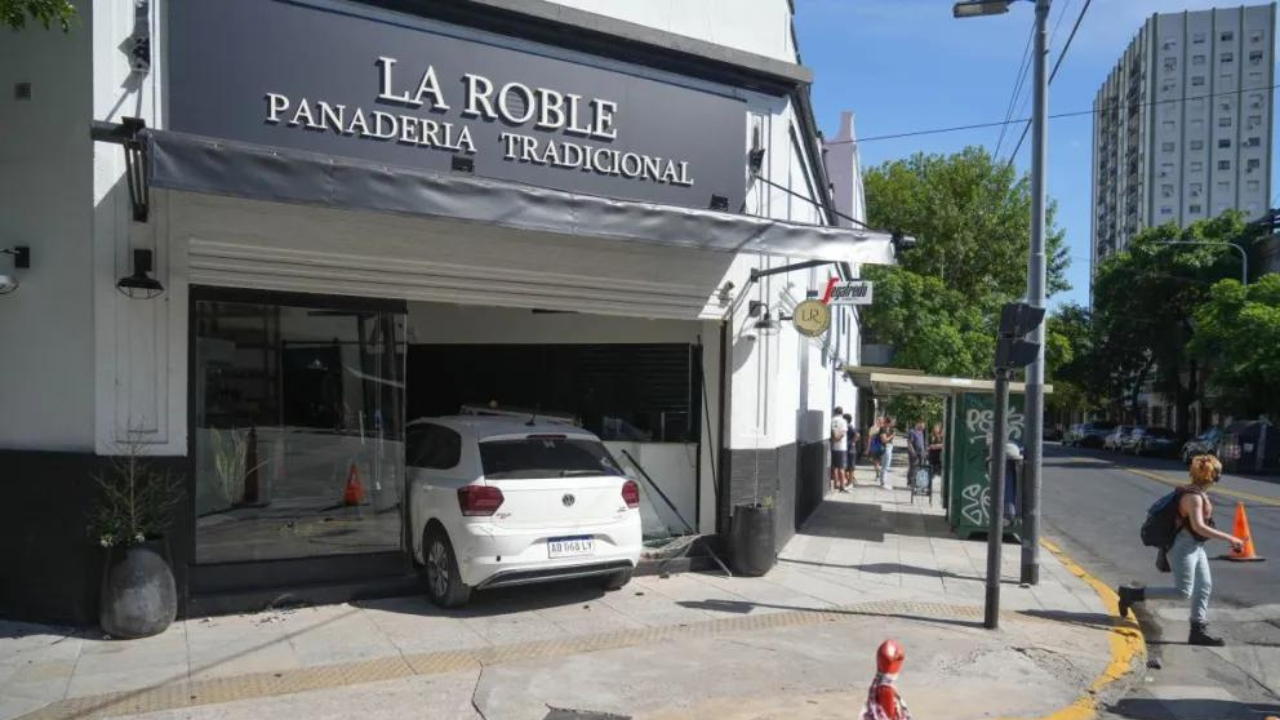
(1035,297)
(1244,254)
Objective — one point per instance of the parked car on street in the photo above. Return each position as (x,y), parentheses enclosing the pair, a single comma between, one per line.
(1073,434)
(1093,434)
(497,502)
(1115,440)
(1154,441)
(1204,444)
(1128,443)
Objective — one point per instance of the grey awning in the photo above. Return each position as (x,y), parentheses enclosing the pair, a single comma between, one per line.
(887,382)
(191,163)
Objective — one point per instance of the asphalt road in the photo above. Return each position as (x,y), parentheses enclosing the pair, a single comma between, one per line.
(1094,504)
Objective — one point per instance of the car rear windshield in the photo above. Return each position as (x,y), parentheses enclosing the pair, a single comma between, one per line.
(540,456)
(1160,432)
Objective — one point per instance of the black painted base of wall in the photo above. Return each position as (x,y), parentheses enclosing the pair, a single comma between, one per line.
(794,475)
(50,569)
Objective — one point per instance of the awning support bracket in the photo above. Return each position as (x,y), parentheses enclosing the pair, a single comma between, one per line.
(128,132)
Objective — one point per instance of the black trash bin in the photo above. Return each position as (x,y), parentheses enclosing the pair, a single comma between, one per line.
(752,533)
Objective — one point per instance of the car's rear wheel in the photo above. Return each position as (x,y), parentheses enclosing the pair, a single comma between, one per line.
(440,571)
(616,581)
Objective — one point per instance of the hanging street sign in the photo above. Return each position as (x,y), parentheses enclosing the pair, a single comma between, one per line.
(812,318)
(848,292)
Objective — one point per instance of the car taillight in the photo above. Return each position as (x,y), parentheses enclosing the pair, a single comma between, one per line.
(631,493)
(479,500)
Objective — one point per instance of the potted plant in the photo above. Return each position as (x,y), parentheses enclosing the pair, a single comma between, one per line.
(752,551)
(138,596)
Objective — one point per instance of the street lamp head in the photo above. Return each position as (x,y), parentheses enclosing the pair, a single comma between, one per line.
(979,8)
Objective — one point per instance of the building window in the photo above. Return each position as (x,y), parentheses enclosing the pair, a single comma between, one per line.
(1224,187)
(1253,186)
(1253,142)
(1197,59)
(1255,101)
(1227,57)
(1225,80)
(1252,164)
(1197,38)
(1227,36)
(1197,126)
(1197,81)
(1166,169)
(1255,36)
(1224,164)
(1254,121)
(1166,191)
(1195,209)
(1224,122)
(1255,77)
(1168,125)
(268,388)
(1196,189)
(1225,106)
(1255,57)
(1197,166)
(1167,147)
(1166,210)
(1197,145)
(1168,86)
(1224,143)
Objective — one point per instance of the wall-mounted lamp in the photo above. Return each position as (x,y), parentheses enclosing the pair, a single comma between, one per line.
(140,285)
(21,260)
(755,160)
(766,325)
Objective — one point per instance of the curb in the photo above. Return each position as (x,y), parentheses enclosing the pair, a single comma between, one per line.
(1127,643)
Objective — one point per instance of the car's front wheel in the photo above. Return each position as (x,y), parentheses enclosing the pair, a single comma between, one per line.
(616,581)
(440,571)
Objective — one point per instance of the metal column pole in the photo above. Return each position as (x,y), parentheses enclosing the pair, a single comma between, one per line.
(1035,297)
(995,493)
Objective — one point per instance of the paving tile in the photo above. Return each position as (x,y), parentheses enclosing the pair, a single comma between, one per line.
(232,660)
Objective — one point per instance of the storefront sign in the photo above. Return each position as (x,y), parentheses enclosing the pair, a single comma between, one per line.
(849,292)
(345,80)
(812,318)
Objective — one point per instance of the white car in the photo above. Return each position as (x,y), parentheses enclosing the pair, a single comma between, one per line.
(496,502)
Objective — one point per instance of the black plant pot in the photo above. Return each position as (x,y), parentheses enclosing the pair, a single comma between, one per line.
(138,593)
(752,533)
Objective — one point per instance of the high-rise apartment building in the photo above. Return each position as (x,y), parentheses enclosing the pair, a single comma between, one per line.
(1183,124)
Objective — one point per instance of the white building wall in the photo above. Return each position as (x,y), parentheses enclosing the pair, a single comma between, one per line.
(762,27)
(46,203)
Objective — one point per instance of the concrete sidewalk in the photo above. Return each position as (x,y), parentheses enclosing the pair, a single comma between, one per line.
(798,643)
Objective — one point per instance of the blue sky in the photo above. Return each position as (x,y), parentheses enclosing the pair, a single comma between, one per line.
(904,65)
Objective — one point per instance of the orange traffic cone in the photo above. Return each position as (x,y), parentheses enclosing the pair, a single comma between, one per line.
(353,494)
(1241,531)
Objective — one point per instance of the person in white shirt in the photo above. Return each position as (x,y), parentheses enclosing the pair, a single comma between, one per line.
(839,428)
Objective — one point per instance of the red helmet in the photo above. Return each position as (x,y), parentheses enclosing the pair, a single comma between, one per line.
(889,657)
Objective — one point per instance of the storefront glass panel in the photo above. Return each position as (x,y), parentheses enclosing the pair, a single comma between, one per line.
(299,429)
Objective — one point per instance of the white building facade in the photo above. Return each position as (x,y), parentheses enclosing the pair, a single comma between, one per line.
(1183,125)
(358,213)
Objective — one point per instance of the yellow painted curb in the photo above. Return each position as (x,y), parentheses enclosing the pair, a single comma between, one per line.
(1127,643)
(1236,494)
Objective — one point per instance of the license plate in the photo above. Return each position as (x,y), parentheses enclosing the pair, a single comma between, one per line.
(571,546)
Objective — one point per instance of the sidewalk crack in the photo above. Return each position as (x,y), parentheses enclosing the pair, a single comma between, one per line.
(476,691)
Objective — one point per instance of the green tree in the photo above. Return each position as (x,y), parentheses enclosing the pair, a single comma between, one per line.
(15,13)
(1238,328)
(972,217)
(1144,301)
(1071,361)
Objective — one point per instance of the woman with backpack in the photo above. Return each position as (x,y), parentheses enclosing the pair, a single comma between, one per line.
(1191,513)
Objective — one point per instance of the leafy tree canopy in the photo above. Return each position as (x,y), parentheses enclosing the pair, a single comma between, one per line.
(972,217)
(15,13)
(1239,327)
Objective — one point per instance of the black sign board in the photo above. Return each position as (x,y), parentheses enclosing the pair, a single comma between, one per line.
(349,80)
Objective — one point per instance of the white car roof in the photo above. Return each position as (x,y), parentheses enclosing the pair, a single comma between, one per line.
(483,428)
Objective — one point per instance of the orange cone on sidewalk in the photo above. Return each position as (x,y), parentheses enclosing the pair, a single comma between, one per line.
(1241,530)
(353,493)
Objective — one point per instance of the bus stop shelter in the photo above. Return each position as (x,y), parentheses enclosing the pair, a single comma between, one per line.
(968,423)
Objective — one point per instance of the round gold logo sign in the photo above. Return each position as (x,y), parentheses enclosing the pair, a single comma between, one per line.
(812,318)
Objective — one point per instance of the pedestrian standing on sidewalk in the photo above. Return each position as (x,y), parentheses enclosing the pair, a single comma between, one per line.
(839,447)
(852,438)
(874,449)
(915,451)
(936,442)
(1187,557)
(886,441)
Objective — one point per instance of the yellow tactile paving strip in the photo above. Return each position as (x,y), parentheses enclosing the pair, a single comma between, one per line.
(178,695)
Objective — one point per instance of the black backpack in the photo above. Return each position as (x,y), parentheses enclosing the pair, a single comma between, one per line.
(1160,527)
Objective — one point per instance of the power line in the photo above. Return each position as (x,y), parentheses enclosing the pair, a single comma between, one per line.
(1061,56)
(1017,87)
(1056,116)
